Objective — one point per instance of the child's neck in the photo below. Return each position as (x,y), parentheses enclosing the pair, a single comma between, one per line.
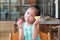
(27,23)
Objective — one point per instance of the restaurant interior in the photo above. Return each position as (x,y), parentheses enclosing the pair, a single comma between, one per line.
(49,13)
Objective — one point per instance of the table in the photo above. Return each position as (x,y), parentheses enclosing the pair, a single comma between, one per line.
(46,26)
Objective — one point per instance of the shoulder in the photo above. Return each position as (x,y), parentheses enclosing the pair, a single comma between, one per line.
(23,24)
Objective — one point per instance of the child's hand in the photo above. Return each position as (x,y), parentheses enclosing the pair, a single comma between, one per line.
(37,22)
(20,26)
(19,23)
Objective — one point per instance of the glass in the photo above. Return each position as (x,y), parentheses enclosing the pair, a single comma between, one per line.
(24,8)
(15,9)
(25,4)
(47,8)
(4,9)
(9,10)
(0,10)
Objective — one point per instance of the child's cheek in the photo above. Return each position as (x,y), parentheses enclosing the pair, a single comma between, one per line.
(26,18)
(32,19)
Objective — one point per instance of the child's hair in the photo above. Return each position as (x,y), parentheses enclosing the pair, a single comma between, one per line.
(33,7)
(22,17)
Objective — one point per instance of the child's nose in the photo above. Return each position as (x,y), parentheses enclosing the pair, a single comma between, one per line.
(28,15)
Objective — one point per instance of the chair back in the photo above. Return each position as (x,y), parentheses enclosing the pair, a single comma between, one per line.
(14,36)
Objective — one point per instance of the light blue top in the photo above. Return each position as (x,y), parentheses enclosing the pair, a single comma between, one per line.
(28,32)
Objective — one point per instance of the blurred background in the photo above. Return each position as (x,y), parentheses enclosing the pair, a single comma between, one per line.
(12,9)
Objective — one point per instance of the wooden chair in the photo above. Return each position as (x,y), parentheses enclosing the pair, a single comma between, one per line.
(43,36)
(14,36)
(56,32)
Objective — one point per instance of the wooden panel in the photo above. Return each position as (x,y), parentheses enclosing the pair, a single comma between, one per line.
(6,26)
(43,36)
(14,36)
(31,1)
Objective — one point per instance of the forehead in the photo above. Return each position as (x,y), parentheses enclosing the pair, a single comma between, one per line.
(31,11)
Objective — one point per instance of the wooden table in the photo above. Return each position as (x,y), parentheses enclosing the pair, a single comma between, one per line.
(45,27)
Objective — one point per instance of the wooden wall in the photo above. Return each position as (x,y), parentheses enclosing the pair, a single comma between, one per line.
(6,26)
(31,1)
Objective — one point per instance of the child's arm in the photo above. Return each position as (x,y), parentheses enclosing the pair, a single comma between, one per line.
(21,34)
(35,30)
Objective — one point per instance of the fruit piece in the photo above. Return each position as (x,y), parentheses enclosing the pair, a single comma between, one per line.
(20,21)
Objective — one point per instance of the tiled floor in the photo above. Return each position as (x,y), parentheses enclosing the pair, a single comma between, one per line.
(4,36)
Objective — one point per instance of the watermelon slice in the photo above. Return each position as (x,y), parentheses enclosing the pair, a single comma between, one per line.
(20,21)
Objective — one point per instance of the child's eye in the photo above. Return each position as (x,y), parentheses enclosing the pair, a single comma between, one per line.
(28,13)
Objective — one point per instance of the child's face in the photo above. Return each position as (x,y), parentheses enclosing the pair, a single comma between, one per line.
(29,15)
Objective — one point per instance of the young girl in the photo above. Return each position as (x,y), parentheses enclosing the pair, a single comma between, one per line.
(29,30)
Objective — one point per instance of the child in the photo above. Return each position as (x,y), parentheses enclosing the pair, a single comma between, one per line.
(29,30)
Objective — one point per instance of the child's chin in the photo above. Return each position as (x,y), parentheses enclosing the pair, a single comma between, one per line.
(31,22)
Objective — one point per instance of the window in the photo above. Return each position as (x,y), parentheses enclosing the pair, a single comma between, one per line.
(9,9)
